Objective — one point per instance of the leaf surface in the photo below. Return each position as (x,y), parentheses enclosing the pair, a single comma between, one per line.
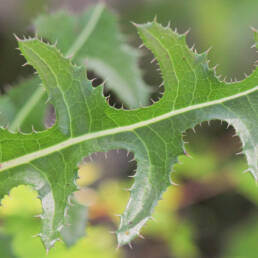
(94,36)
(91,37)
(86,124)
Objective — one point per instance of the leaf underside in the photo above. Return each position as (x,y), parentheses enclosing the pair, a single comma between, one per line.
(85,124)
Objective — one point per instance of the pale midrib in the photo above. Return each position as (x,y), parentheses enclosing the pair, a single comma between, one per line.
(87,31)
(39,93)
(73,141)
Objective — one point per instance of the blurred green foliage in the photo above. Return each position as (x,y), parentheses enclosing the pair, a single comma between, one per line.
(242,240)
(18,211)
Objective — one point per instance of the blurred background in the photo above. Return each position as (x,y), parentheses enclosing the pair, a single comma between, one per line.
(213,211)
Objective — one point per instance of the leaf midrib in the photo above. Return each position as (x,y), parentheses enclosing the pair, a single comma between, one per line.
(73,141)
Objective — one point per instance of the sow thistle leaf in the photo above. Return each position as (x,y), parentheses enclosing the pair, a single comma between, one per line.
(86,124)
(93,37)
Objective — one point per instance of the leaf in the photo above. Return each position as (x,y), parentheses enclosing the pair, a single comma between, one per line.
(242,240)
(12,112)
(87,124)
(16,110)
(5,246)
(94,36)
(81,38)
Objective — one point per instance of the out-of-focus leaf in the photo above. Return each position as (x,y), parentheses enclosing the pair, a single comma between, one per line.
(245,184)
(94,36)
(242,241)
(15,107)
(75,223)
(17,211)
(6,247)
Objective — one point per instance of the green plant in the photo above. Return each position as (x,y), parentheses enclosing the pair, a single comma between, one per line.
(86,123)
(93,38)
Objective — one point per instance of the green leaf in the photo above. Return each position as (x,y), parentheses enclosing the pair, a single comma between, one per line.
(82,38)
(15,107)
(86,124)
(5,246)
(242,240)
(94,36)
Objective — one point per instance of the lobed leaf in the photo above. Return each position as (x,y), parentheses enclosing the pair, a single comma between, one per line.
(94,36)
(87,124)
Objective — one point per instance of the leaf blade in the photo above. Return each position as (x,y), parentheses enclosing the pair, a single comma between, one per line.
(98,40)
(159,125)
